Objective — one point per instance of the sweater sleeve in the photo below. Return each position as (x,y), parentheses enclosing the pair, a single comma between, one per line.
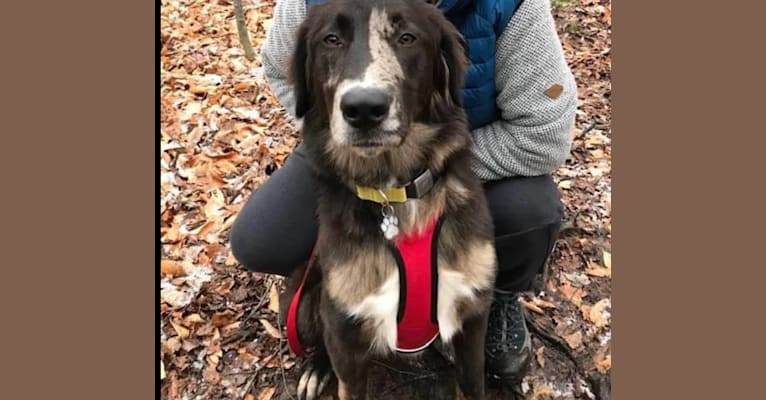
(534,133)
(278,47)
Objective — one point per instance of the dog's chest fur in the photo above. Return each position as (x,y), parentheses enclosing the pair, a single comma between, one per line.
(366,284)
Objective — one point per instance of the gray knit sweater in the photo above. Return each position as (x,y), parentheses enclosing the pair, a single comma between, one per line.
(532,136)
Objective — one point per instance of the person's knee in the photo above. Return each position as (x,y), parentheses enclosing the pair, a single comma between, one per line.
(525,204)
(253,250)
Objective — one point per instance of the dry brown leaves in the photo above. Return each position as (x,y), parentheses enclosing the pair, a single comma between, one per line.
(222,132)
(581,269)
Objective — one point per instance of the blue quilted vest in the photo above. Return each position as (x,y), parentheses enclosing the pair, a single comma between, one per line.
(481,22)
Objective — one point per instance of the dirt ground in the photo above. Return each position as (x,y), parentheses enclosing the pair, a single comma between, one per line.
(223,134)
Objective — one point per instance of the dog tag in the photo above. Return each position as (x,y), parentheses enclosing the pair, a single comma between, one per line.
(390,224)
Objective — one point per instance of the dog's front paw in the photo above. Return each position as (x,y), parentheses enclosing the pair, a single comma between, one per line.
(316,375)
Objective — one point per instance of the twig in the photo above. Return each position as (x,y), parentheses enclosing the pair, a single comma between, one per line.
(599,386)
(258,369)
(588,128)
(244,37)
(247,332)
(282,349)
(390,368)
(242,334)
(173,389)
(260,302)
(554,340)
(405,383)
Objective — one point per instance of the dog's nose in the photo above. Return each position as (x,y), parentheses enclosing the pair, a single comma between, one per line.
(365,108)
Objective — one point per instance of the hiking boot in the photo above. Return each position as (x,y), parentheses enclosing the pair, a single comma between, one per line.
(508,345)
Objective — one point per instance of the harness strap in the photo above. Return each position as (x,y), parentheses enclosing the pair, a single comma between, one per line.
(416,256)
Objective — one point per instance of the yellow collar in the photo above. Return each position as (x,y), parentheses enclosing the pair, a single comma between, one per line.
(416,189)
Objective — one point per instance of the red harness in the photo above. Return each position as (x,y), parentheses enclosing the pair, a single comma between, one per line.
(417,324)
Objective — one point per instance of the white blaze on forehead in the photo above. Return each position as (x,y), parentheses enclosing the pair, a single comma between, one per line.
(384,68)
(382,73)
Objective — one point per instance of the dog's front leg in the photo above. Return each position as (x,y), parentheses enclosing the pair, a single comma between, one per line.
(469,356)
(348,356)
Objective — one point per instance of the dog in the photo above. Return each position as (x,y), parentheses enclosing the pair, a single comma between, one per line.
(405,254)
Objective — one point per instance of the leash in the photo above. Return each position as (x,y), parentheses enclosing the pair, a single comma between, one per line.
(292,314)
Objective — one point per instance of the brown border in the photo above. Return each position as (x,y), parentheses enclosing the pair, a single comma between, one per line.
(688,98)
(79,169)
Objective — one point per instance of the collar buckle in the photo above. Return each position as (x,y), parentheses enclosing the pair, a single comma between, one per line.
(422,184)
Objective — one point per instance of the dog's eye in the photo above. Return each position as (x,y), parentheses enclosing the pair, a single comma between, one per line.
(332,40)
(406,39)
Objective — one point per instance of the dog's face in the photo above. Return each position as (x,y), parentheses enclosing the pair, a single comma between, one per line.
(371,69)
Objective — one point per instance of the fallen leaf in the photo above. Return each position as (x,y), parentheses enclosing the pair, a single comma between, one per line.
(193,319)
(572,293)
(574,340)
(270,329)
(210,375)
(206,228)
(605,364)
(532,307)
(597,270)
(542,392)
(190,344)
(597,172)
(597,153)
(213,359)
(242,86)
(173,389)
(595,140)
(248,114)
(602,360)
(249,396)
(274,299)
(180,330)
(539,356)
(222,319)
(577,278)
(170,235)
(542,303)
(172,345)
(598,313)
(228,222)
(608,259)
(197,230)
(216,201)
(205,330)
(162,370)
(172,268)
(266,393)
(273,362)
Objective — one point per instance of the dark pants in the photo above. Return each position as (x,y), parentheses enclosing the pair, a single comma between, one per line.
(276,230)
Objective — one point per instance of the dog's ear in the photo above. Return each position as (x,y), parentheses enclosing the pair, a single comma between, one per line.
(453,63)
(297,73)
